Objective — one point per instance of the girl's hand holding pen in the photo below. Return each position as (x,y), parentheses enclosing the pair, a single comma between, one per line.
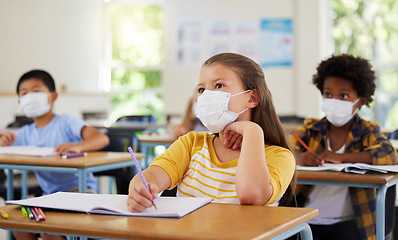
(150,188)
(139,197)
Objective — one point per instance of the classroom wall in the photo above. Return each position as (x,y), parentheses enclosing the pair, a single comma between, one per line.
(291,87)
(64,37)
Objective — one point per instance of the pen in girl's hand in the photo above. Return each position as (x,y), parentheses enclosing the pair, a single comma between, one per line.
(137,166)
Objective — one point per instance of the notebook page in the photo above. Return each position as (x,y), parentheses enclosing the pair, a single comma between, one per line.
(28,150)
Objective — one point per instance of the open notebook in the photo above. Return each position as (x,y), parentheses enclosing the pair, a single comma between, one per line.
(360,168)
(28,150)
(113,204)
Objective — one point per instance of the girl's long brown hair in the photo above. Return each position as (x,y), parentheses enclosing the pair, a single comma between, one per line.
(264,114)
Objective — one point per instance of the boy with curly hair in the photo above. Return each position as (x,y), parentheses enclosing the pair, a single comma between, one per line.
(346,83)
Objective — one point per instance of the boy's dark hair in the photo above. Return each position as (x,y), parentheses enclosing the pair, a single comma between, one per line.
(44,76)
(354,69)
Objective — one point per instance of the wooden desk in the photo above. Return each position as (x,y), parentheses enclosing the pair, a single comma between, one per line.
(213,221)
(378,181)
(147,142)
(93,162)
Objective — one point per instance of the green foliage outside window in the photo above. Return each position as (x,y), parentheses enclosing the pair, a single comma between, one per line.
(136,93)
(369,28)
(137,54)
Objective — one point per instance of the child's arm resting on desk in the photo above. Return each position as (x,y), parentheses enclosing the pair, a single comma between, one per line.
(92,140)
(7,139)
(358,157)
(253,184)
(139,197)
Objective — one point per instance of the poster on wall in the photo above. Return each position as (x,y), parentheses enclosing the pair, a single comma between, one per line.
(189,43)
(219,37)
(276,42)
(240,36)
(246,33)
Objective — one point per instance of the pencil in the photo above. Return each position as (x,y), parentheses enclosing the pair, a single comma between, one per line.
(35,216)
(73,155)
(43,217)
(137,166)
(30,214)
(39,216)
(24,212)
(3,213)
(301,141)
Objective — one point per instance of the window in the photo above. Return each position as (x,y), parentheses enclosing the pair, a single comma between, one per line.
(135,43)
(368,28)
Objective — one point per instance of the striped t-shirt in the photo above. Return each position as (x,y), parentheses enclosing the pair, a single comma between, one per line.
(192,164)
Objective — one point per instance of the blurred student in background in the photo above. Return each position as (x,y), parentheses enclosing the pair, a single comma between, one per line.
(189,123)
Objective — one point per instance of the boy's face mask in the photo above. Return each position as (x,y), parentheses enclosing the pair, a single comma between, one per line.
(338,112)
(212,110)
(34,104)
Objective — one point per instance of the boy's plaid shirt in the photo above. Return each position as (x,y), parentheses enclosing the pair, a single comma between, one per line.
(364,136)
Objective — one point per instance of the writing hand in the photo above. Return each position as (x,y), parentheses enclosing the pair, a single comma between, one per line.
(310,159)
(139,197)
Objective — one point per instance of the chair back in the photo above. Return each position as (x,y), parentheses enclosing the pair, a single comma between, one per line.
(137,119)
(394,135)
(119,141)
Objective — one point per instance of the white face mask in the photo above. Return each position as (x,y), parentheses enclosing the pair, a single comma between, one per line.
(34,104)
(212,110)
(338,112)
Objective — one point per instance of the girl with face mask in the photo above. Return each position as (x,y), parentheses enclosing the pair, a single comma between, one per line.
(342,136)
(247,159)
